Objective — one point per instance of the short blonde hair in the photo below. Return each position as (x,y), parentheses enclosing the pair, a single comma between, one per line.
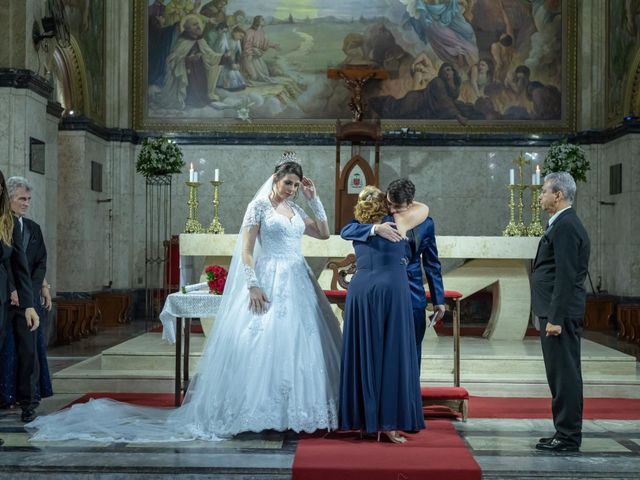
(371,206)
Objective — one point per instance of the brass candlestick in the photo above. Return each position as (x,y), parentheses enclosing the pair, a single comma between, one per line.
(522,228)
(193,225)
(216,226)
(511,230)
(535,228)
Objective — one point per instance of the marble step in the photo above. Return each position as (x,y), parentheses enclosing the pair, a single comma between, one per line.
(478,356)
(146,364)
(88,376)
(122,361)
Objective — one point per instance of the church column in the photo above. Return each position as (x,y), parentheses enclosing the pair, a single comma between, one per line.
(28,117)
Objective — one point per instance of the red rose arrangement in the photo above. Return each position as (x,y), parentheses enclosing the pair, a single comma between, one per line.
(216,278)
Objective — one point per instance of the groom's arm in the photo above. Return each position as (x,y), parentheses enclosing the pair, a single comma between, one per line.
(431,263)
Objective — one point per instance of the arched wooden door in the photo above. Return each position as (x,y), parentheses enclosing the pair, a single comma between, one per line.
(357,172)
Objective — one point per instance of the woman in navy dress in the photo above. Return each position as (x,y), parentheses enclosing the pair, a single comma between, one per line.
(379,380)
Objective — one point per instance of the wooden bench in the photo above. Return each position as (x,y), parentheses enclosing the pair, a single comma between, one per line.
(342,271)
(628,318)
(114,307)
(455,399)
(76,318)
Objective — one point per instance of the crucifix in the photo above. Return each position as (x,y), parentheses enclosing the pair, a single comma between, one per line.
(355,77)
(521,162)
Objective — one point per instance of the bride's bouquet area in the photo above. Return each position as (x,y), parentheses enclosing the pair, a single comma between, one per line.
(216,278)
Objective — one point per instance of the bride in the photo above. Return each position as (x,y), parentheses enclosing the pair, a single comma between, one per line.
(272,361)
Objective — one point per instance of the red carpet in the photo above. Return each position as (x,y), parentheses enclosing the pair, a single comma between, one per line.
(435,453)
(530,407)
(479,407)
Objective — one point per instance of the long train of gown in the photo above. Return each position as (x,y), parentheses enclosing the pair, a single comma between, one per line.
(279,370)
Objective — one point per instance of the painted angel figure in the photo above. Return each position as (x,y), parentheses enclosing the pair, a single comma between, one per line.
(443,26)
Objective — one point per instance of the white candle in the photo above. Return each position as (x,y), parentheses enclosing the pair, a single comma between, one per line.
(195,176)
(216,175)
(537,174)
(512,176)
(191,174)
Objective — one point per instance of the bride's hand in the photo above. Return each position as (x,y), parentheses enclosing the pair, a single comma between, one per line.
(308,188)
(257,300)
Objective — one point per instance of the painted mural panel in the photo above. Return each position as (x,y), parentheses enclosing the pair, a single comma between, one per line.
(228,63)
(624,42)
(87,26)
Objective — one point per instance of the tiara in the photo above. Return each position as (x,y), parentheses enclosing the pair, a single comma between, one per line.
(288,156)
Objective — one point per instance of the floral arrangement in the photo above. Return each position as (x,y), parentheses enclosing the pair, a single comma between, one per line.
(216,278)
(159,156)
(566,157)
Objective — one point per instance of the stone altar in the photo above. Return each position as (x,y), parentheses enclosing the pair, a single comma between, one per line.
(498,262)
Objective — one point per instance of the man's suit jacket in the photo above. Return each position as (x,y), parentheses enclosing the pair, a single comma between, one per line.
(36,253)
(422,239)
(560,269)
(13,259)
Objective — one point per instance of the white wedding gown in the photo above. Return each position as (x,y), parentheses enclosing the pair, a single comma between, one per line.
(279,370)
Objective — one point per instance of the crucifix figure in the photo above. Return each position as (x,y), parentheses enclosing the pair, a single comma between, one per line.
(355,77)
(521,162)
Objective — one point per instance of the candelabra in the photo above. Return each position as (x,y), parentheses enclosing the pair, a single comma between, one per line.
(193,225)
(216,226)
(522,228)
(535,228)
(511,230)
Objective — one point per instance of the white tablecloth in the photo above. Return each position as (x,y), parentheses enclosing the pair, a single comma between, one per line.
(186,305)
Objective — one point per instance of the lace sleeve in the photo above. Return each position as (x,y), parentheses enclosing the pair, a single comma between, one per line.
(254,214)
(317,208)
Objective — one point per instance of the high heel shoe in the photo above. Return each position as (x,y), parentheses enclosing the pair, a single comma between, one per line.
(393,436)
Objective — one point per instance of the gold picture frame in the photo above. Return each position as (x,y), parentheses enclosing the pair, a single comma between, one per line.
(145,118)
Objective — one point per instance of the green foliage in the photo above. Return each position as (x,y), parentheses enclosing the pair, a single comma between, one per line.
(566,157)
(159,156)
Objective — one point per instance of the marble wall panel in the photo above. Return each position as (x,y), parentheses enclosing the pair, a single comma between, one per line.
(85,223)
(23,115)
(617,232)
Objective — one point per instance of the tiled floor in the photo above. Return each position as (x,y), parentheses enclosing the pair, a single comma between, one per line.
(503,448)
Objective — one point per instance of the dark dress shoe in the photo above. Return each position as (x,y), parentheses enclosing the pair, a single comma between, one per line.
(546,439)
(28,415)
(557,445)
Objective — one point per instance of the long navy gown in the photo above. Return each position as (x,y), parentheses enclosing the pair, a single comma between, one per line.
(379,379)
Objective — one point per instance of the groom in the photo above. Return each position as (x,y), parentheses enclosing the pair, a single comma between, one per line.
(422,239)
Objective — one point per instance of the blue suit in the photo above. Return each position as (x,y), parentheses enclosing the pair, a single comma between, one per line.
(422,239)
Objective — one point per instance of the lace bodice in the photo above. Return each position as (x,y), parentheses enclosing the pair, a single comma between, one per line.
(278,235)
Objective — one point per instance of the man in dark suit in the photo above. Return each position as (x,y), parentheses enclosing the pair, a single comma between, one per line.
(422,238)
(558,296)
(13,259)
(28,375)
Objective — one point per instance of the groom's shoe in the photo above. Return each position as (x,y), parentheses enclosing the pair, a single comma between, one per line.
(546,439)
(557,445)
(28,415)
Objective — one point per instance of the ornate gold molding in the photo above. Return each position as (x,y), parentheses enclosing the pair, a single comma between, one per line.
(632,94)
(72,75)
